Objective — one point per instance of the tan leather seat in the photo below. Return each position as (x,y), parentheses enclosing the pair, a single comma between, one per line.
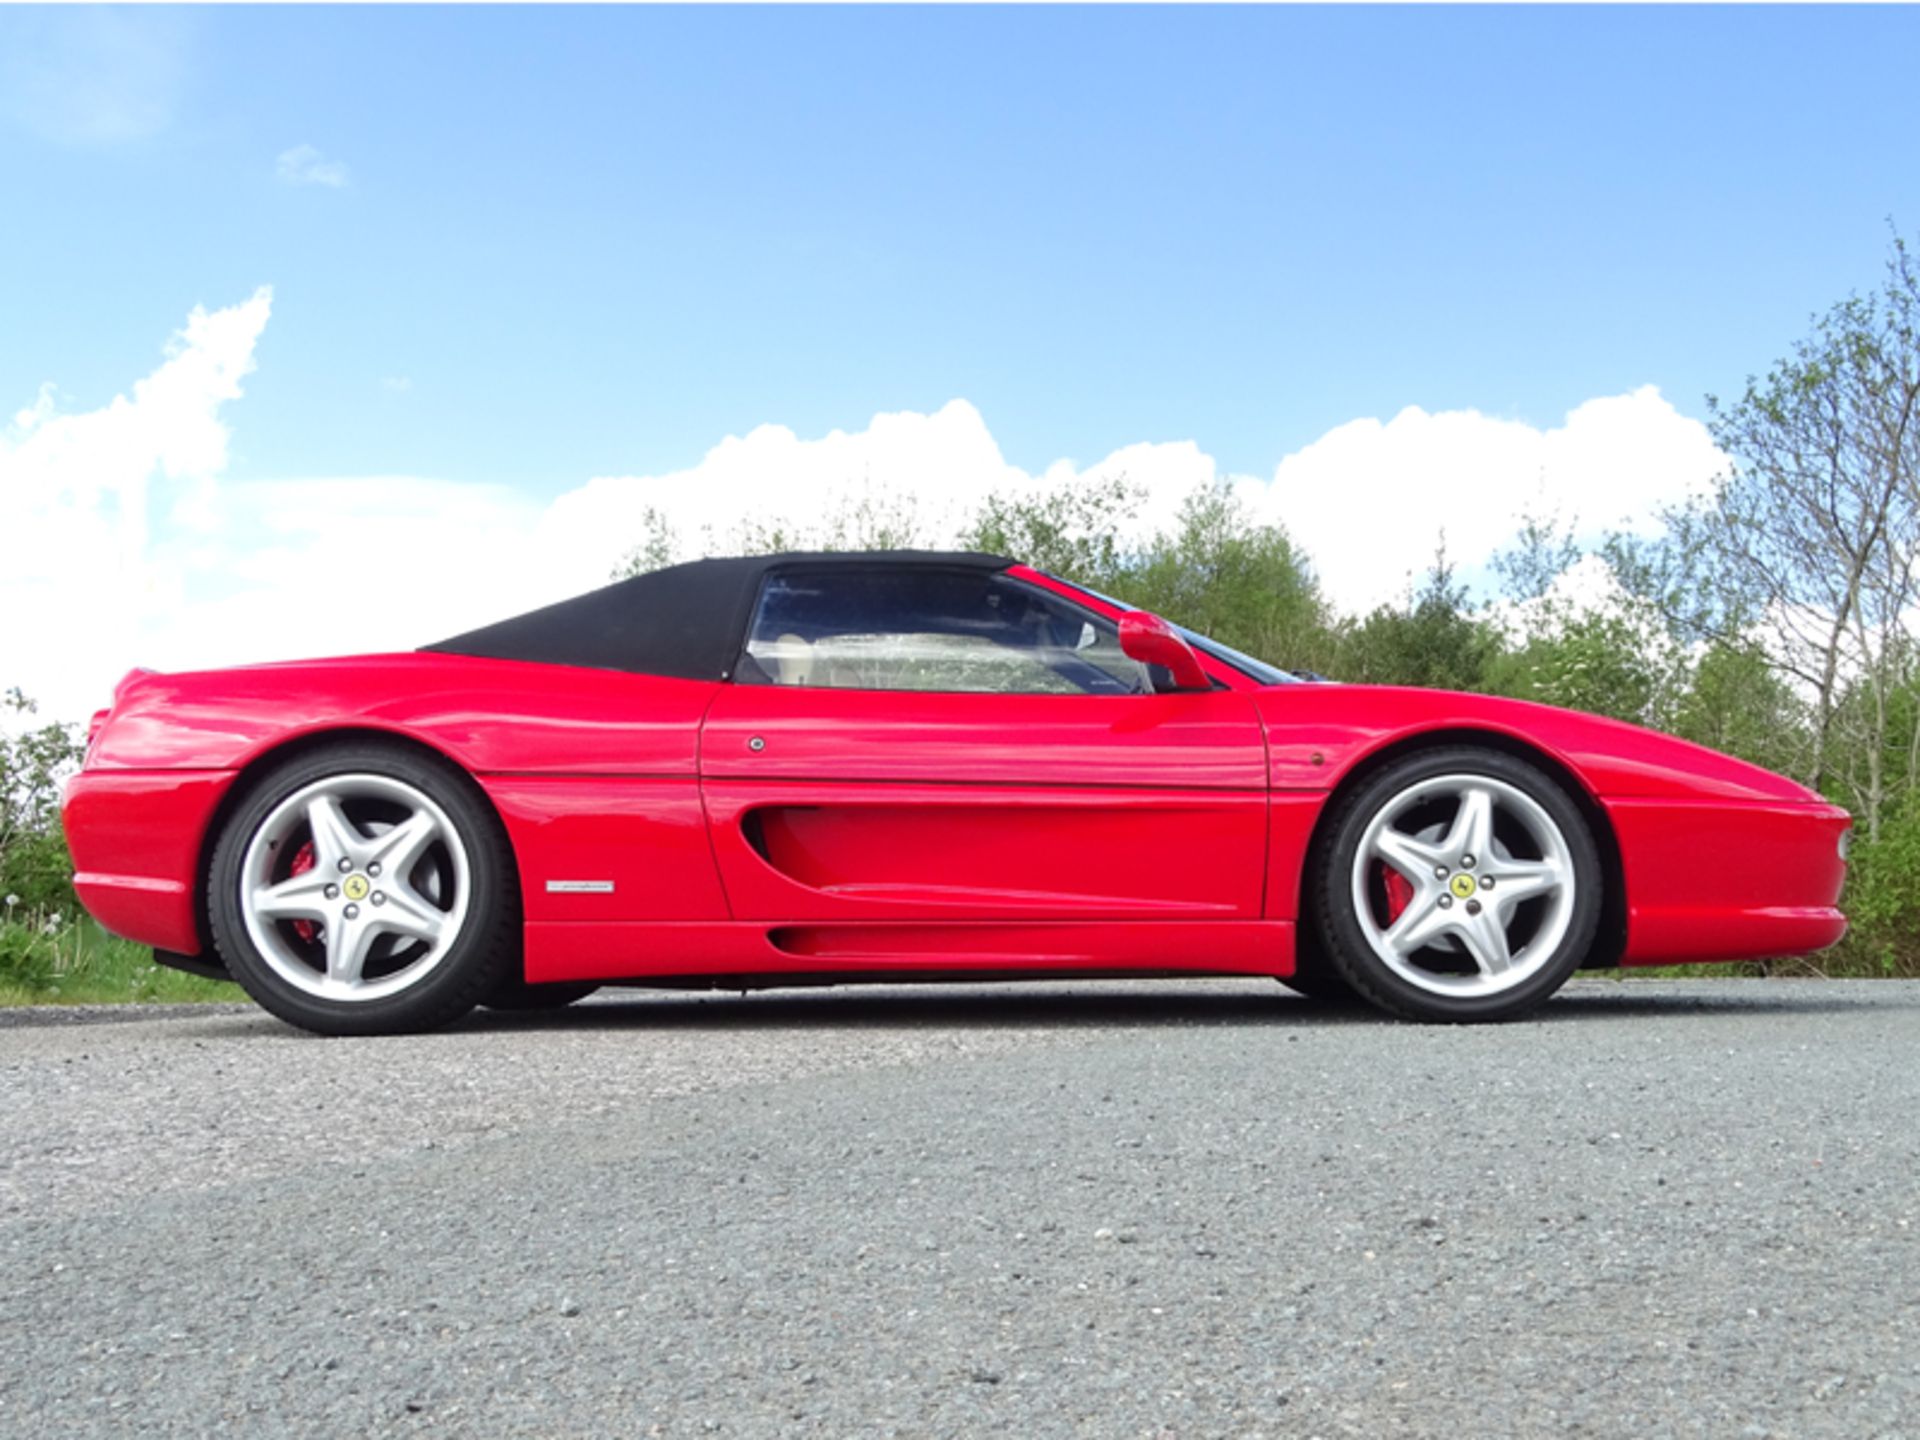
(790,662)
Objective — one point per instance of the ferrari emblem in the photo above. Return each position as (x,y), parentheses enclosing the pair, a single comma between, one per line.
(355,887)
(1462,886)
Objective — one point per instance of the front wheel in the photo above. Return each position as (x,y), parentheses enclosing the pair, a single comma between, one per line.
(365,889)
(1457,884)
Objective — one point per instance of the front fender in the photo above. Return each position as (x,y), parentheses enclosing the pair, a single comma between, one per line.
(1318,734)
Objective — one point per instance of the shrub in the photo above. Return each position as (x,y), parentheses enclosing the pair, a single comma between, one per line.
(1883,899)
(35,761)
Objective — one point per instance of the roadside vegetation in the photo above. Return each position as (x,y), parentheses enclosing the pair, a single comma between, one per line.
(1776,618)
(50,951)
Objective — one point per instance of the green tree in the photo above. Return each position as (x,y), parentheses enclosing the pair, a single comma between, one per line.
(1809,541)
(658,546)
(1613,653)
(1737,703)
(1433,640)
(1596,661)
(1536,558)
(1883,897)
(35,760)
(1243,582)
(1073,531)
(864,520)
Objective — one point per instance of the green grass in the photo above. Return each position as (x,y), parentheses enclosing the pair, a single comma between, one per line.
(80,964)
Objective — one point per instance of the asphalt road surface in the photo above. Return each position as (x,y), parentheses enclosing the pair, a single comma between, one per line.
(1178,1209)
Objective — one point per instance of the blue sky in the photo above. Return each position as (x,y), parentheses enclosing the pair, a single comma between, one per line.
(522,248)
(602,239)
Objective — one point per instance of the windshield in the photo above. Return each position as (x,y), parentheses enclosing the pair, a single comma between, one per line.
(1257,669)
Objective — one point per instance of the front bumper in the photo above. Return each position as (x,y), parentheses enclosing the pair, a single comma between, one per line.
(1722,880)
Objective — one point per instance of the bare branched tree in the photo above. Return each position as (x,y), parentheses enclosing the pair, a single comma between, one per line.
(1810,539)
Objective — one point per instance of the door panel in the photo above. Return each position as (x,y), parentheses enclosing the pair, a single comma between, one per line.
(889,806)
(822,852)
(1204,740)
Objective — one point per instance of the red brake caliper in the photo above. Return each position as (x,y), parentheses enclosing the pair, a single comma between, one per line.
(1399,893)
(303,862)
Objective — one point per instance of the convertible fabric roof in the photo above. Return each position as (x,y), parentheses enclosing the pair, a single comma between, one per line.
(684,621)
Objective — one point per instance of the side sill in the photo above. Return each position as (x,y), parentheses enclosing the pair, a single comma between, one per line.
(633,950)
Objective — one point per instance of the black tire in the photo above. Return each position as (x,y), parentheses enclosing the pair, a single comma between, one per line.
(1350,953)
(518,995)
(482,952)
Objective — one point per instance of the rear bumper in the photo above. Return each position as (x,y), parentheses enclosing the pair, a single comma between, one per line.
(136,838)
(1714,880)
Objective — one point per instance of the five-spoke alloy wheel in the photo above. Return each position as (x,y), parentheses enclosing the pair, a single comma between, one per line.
(363,889)
(1457,884)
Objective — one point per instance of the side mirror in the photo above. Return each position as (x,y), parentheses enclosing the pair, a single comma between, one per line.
(1152,641)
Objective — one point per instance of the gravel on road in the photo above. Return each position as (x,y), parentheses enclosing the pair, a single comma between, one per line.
(1151,1208)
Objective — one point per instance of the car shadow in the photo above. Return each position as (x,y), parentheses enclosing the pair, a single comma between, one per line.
(1050,1004)
(1043,1006)
(1729,998)
(929,1007)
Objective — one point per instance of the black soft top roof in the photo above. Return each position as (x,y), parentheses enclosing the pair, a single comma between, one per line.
(685,621)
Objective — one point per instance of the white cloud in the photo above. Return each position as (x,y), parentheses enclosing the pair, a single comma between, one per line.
(288,568)
(132,548)
(396,384)
(941,465)
(304,165)
(81,585)
(1369,499)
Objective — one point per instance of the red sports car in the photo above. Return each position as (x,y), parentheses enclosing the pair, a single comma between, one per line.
(906,765)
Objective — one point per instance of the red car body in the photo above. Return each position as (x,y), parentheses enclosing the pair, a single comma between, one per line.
(759,832)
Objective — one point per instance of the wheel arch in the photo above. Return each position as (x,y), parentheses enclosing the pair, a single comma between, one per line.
(1610,942)
(293,747)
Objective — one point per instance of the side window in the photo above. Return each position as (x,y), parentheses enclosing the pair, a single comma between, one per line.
(957,630)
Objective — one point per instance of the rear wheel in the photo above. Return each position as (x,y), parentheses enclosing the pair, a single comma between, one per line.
(365,889)
(1457,884)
